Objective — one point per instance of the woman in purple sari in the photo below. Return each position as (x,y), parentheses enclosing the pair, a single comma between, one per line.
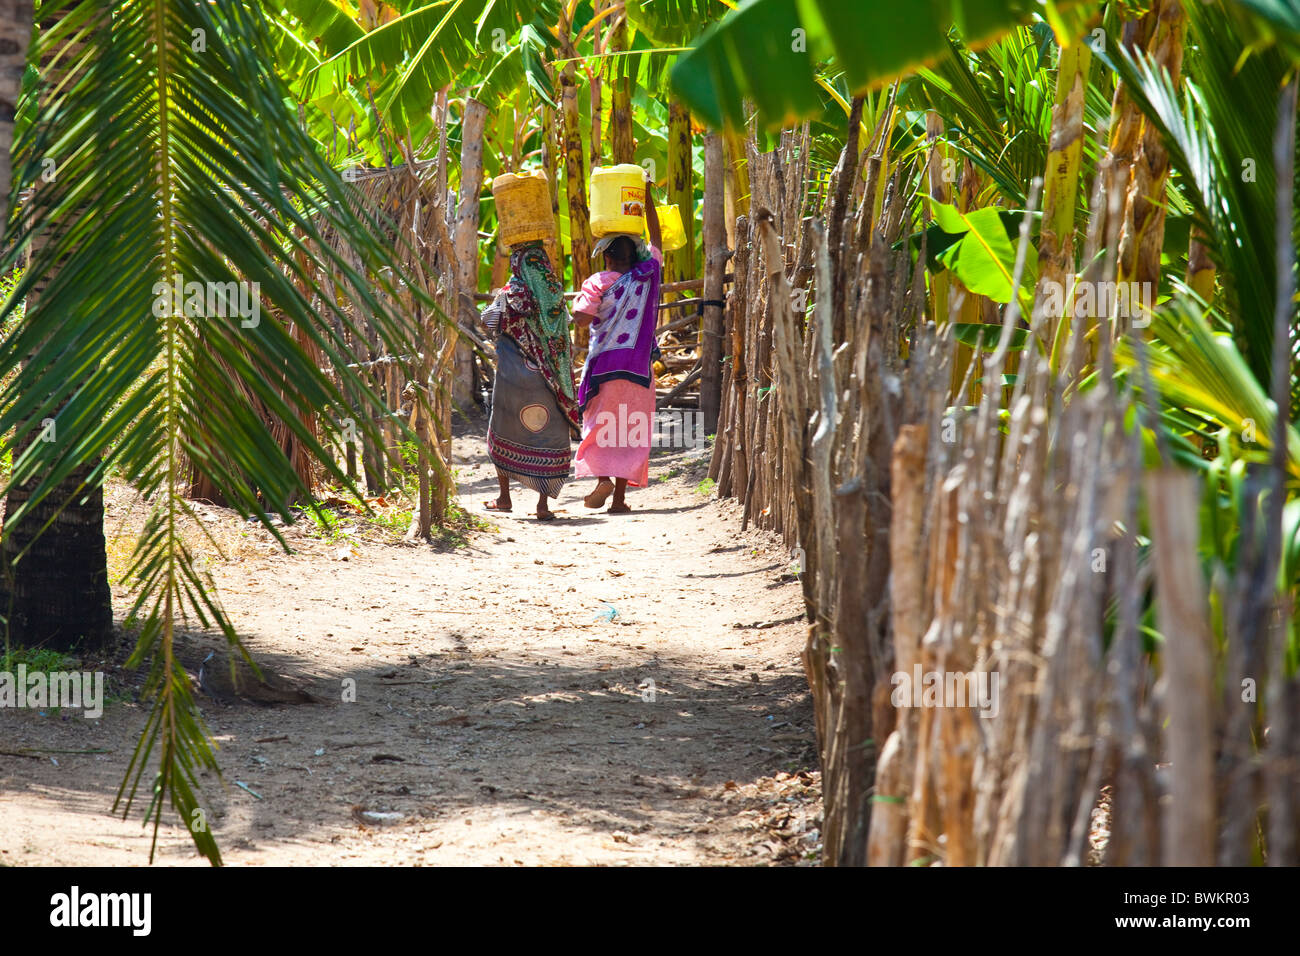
(617,392)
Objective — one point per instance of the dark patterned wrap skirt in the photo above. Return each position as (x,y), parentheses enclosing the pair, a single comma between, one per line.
(528,436)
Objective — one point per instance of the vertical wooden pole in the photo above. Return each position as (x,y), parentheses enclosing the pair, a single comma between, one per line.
(1182,611)
(552,147)
(465,240)
(740,318)
(1283,772)
(431,416)
(715,263)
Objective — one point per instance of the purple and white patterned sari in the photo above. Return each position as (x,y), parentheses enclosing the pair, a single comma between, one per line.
(622,341)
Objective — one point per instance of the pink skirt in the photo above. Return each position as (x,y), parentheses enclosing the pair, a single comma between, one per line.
(617,427)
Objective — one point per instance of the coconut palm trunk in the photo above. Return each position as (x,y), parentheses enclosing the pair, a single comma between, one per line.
(552,150)
(1125,137)
(1144,229)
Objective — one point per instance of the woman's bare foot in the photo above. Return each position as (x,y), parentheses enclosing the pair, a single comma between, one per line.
(503,500)
(619,506)
(602,491)
(544,513)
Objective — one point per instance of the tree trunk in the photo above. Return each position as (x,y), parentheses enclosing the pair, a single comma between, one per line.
(716,255)
(738,169)
(552,149)
(1144,228)
(1125,137)
(1056,244)
(575,175)
(681,190)
(597,153)
(622,144)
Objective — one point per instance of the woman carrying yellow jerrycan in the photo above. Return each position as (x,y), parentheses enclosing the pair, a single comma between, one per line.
(534,407)
(617,392)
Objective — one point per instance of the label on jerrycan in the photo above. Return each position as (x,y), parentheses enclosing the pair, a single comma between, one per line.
(633,200)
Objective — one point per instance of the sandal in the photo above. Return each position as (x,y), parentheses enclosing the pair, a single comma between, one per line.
(493,506)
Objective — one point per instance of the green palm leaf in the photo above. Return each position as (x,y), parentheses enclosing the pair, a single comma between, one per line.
(1219,136)
(431,44)
(178,161)
(1202,374)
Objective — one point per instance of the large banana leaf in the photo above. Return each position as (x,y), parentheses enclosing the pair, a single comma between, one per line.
(674,22)
(983,255)
(178,158)
(431,45)
(767,50)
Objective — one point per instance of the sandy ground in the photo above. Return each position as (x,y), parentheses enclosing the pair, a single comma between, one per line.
(601,689)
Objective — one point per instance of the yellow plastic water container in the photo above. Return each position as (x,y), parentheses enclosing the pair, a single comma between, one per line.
(617,200)
(523,207)
(671,230)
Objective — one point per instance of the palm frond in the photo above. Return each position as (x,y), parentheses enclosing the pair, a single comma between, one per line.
(182,162)
(1219,137)
(1201,374)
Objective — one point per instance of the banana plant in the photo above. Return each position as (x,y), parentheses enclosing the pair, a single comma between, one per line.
(425,47)
(769,51)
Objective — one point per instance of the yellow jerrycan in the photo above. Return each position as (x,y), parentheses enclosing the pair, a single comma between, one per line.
(617,200)
(523,208)
(671,230)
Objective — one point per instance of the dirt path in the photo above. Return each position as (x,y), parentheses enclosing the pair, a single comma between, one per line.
(597,690)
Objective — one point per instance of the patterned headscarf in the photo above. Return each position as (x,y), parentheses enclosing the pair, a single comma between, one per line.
(537,318)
